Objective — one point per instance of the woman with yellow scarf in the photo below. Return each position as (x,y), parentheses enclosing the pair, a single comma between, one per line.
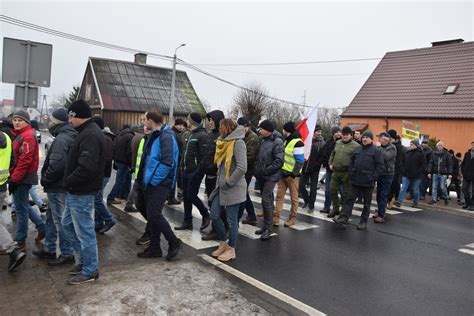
(231,188)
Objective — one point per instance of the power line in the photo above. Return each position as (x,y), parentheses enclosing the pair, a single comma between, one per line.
(294,63)
(289,75)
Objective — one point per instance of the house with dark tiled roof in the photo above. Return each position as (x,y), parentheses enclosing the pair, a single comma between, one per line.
(121,91)
(432,87)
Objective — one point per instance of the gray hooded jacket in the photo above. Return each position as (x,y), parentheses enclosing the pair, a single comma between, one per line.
(234,189)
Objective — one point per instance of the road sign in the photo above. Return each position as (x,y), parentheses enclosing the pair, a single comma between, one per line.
(18,54)
(20,97)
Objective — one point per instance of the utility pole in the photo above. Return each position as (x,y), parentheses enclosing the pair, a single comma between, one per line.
(173,82)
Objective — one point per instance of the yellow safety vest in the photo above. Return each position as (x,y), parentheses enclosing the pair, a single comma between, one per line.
(5,158)
(289,163)
(139,155)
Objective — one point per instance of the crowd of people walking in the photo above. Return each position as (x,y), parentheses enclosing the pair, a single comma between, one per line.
(157,164)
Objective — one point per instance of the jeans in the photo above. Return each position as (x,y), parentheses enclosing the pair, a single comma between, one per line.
(383,187)
(313,190)
(327,191)
(54,227)
(155,200)
(78,224)
(6,241)
(468,190)
(123,182)
(248,204)
(415,184)
(102,214)
(439,180)
(232,212)
(35,196)
(356,192)
(24,211)
(191,183)
(266,189)
(132,194)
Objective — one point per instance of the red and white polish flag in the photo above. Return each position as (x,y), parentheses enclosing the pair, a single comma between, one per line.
(306,128)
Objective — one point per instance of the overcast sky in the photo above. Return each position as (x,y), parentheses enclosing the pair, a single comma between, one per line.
(243,32)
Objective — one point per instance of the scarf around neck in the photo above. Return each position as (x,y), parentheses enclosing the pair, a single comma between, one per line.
(224,149)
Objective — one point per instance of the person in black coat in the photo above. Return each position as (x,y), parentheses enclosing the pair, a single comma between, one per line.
(414,166)
(83,177)
(366,166)
(325,154)
(210,168)
(397,176)
(440,167)
(467,170)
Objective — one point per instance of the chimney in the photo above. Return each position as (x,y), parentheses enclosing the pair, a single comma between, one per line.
(448,42)
(140,58)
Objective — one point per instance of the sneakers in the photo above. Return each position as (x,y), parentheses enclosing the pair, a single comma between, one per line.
(16,258)
(205,222)
(61,260)
(106,228)
(311,209)
(145,239)
(21,245)
(185,225)
(341,220)
(362,226)
(259,231)
(42,254)
(212,235)
(432,202)
(398,204)
(266,235)
(149,253)
(333,213)
(76,269)
(81,279)
(379,220)
(174,250)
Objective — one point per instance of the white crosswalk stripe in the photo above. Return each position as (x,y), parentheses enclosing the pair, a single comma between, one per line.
(468,249)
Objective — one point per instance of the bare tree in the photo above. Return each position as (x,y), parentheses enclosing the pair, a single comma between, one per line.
(207,106)
(251,103)
(327,118)
(282,113)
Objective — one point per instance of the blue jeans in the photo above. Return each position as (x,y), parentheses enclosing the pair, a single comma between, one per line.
(424,185)
(102,214)
(439,180)
(232,212)
(54,227)
(35,196)
(415,183)
(327,192)
(78,223)
(24,211)
(383,187)
(123,182)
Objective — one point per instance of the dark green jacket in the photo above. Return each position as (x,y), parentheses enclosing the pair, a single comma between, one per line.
(341,155)
(252,142)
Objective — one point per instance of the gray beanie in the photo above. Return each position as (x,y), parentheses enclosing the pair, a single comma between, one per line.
(415,142)
(22,115)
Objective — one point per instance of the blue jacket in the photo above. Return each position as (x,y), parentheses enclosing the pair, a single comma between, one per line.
(161,158)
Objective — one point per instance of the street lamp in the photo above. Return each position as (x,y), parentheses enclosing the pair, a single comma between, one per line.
(173,81)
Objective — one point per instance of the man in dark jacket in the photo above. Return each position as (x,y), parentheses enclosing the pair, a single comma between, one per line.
(177,129)
(414,166)
(252,143)
(159,167)
(123,163)
(23,174)
(440,168)
(311,170)
(267,171)
(134,144)
(425,180)
(365,167)
(397,175)
(456,179)
(467,170)
(83,178)
(210,168)
(104,220)
(325,154)
(52,175)
(385,178)
(193,167)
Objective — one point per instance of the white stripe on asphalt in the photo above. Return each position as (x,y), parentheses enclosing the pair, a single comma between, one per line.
(470,245)
(468,251)
(263,287)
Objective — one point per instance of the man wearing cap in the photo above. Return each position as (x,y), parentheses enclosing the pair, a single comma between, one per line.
(52,175)
(311,170)
(467,170)
(17,256)
(83,178)
(23,174)
(267,171)
(193,169)
(414,166)
(397,177)
(290,173)
(366,164)
(325,154)
(385,178)
(339,165)
(440,168)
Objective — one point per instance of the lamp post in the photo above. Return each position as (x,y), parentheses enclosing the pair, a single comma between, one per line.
(173,81)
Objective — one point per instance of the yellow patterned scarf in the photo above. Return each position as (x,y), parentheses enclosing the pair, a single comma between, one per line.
(224,149)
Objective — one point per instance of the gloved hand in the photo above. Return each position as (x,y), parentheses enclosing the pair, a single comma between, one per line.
(12,186)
